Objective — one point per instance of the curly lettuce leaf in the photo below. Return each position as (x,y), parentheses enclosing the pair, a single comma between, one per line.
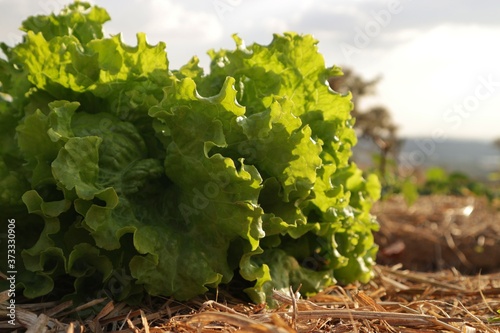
(79,19)
(290,66)
(101,73)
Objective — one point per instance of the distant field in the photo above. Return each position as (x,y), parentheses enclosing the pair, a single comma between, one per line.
(475,158)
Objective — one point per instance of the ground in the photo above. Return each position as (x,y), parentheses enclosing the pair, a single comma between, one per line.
(439,232)
(438,271)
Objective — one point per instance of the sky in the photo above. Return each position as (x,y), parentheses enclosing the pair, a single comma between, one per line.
(439,61)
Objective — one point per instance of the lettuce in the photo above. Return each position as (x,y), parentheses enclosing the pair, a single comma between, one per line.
(180,181)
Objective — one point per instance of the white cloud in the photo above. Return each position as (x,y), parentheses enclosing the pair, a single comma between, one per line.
(437,70)
(177,22)
(160,17)
(184,27)
(12,14)
(276,25)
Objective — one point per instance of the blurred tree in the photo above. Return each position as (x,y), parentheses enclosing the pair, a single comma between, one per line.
(376,122)
(496,142)
(495,177)
(354,83)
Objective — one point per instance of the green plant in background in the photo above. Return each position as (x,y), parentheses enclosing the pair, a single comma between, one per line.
(494,177)
(409,190)
(393,183)
(438,181)
(179,180)
(495,319)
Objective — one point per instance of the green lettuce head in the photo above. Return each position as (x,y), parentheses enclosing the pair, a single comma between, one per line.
(126,176)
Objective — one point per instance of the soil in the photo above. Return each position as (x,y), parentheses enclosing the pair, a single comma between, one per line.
(439,232)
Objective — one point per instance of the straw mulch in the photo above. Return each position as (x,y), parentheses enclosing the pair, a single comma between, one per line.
(440,232)
(395,301)
(437,235)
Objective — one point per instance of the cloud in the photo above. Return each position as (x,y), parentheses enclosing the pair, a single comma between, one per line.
(426,77)
(185,27)
(429,13)
(397,20)
(11,18)
(166,20)
(338,18)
